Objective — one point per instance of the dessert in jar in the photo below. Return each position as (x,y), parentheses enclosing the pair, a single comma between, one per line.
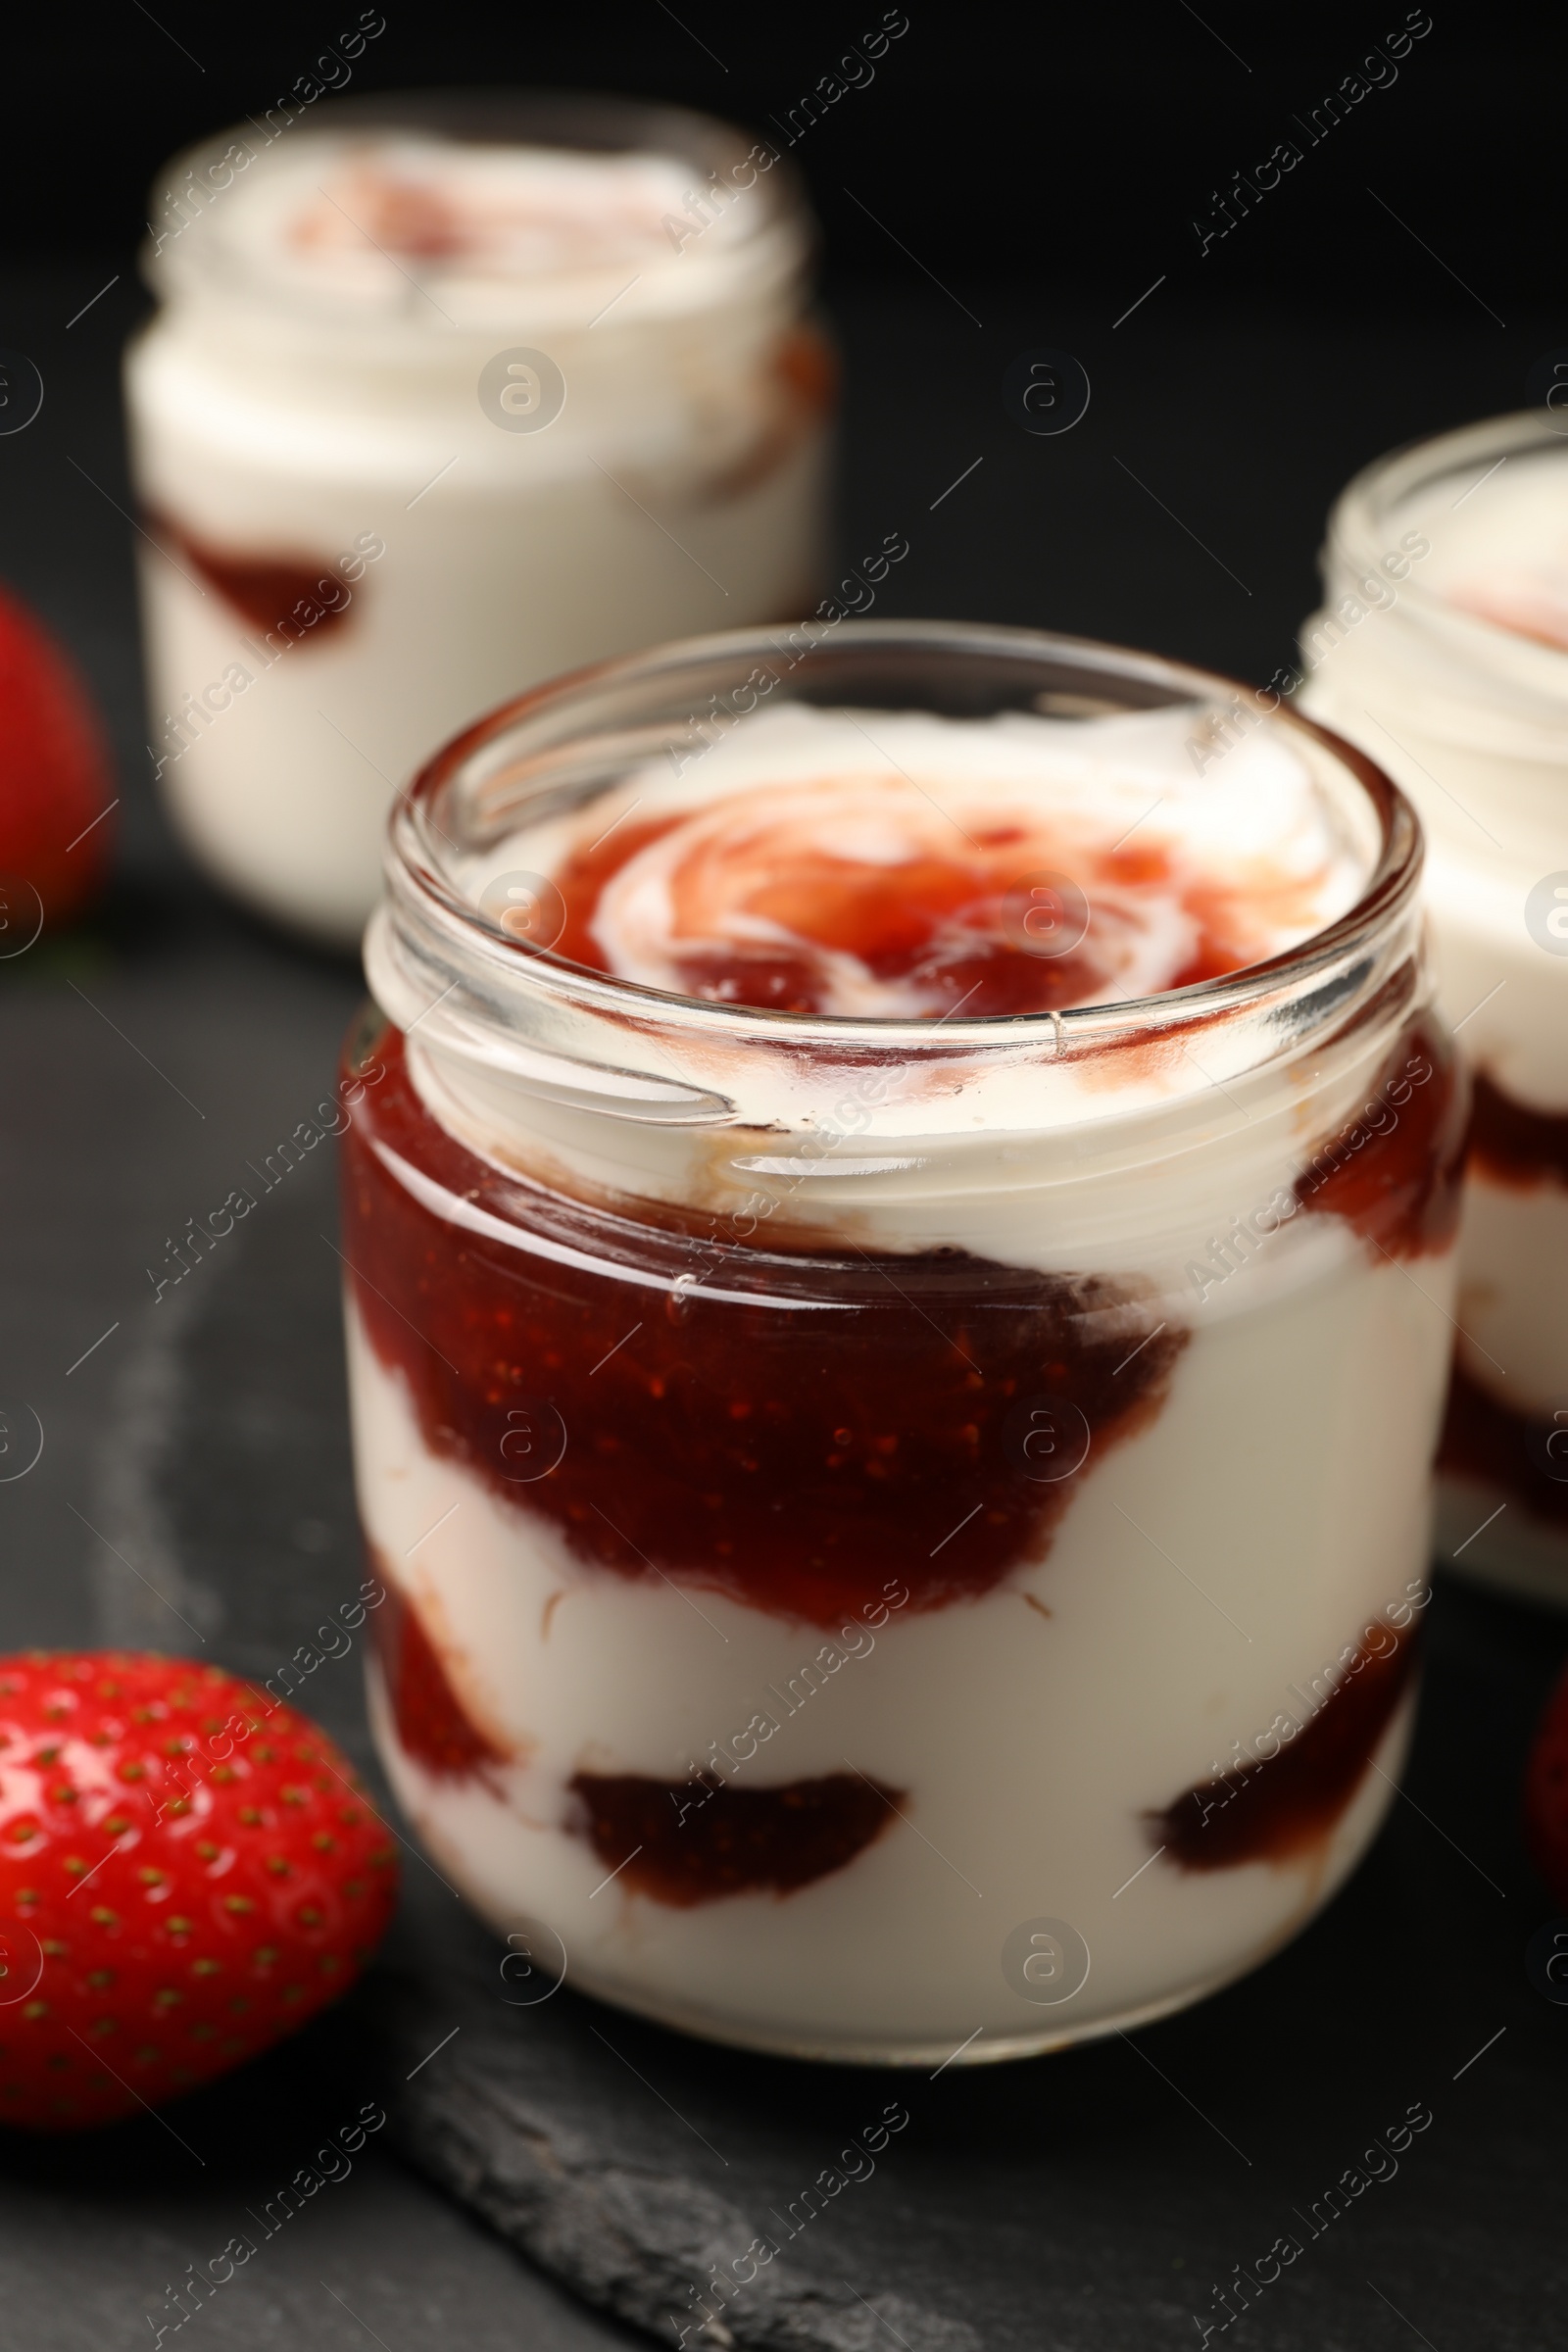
(899,1238)
(1442,648)
(444,397)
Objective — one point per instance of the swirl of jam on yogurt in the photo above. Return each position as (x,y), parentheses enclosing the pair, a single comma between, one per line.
(1041,866)
(511,211)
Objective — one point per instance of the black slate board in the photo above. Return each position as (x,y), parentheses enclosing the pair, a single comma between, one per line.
(1092,2201)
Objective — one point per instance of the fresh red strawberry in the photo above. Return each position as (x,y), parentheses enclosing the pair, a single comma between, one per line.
(54,781)
(189,1871)
(1546,1795)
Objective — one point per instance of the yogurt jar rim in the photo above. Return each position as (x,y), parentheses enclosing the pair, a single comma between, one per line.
(1370,497)
(519,115)
(418,885)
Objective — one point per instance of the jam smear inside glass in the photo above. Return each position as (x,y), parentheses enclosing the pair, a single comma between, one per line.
(694,1841)
(1519,1455)
(1394,1172)
(431,1722)
(790,1431)
(1512,1143)
(300,596)
(1274,1808)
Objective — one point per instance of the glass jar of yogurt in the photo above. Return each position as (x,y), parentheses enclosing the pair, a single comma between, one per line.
(1442,649)
(445,397)
(899,1233)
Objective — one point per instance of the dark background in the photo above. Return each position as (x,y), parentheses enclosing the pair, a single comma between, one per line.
(1005,184)
(1067,148)
(1007,181)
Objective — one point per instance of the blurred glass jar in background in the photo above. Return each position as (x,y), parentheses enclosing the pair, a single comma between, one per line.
(447,395)
(1442,648)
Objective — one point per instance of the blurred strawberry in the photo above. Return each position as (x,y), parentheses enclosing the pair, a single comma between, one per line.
(188,1873)
(1546,1795)
(54,782)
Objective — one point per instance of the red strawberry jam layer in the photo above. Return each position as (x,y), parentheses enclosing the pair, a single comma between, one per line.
(1521,1457)
(299,595)
(791,1431)
(432,1726)
(1280,1805)
(1513,1145)
(692,1841)
(1396,1173)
